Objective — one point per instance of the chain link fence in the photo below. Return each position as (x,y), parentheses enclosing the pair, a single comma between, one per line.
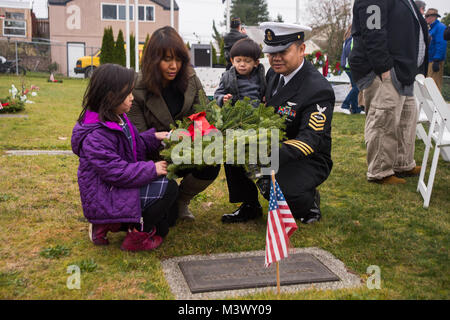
(49,57)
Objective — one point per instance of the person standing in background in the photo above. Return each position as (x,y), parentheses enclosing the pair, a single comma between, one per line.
(351,101)
(438,47)
(236,33)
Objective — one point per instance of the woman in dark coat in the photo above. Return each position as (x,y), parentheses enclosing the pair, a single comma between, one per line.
(167,90)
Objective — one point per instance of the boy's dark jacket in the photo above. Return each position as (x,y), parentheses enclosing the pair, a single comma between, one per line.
(228,85)
(394,45)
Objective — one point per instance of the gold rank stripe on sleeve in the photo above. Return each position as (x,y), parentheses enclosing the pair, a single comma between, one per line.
(317,121)
(303,147)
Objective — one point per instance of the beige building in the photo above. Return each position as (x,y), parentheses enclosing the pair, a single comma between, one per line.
(77,26)
(15,20)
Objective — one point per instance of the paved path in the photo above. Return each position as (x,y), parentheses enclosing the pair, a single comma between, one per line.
(39,152)
(13,116)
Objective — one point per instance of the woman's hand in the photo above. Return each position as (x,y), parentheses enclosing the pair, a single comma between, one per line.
(227,97)
(161,168)
(161,135)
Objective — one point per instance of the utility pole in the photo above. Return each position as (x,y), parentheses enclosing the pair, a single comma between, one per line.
(127,32)
(228,15)
(136,31)
(172,20)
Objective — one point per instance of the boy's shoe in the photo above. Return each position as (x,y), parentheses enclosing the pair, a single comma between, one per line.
(141,241)
(410,173)
(98,232)
(244,213)
(392,180)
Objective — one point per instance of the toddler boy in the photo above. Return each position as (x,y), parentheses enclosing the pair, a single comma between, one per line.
(246,78)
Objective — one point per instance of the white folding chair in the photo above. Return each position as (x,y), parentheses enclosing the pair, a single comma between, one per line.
(439,133)
(425,111)
(426,107)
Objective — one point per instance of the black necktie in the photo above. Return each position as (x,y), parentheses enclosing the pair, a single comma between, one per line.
(280,85)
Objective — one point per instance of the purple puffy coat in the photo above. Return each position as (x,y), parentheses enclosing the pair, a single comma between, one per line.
(110,173)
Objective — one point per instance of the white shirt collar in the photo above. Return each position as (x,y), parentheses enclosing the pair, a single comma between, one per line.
(292,74)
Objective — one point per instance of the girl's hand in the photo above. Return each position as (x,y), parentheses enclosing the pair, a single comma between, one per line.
(161,135)
(161,168)
(227,97)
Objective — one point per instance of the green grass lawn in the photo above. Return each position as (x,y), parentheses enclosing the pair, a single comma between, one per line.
(43,231)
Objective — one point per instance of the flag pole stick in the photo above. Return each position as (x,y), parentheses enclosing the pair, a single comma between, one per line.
(278,264)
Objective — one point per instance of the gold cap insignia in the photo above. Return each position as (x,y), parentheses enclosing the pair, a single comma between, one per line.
(269,36)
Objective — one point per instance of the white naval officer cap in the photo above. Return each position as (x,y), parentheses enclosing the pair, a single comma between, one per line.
(278,36)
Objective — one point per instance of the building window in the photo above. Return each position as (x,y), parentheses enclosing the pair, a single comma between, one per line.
(146,13)
(122,14)
(14,24)
(115,11)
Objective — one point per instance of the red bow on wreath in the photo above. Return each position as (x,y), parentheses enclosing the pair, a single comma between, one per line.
(5,104)
(199,123)
(318,55)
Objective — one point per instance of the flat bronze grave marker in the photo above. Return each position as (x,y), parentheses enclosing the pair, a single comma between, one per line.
(249,272)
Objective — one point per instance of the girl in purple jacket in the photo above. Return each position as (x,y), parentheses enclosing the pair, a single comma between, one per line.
(119,190)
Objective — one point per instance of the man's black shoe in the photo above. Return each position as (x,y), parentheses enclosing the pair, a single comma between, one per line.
(314,214)
(244,213)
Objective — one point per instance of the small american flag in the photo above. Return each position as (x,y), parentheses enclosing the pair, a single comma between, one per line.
(280,226)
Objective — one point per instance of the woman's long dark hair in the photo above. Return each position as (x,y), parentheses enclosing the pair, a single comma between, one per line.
(109,86)
(164,40)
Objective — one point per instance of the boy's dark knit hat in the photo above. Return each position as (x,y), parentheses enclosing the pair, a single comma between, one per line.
(246,48)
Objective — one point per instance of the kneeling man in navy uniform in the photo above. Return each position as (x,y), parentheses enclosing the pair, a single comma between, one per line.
(296,89)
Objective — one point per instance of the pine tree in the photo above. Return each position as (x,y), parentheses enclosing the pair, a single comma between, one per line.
(222,59)
(220,44)
(251,12)
(132,51)
(214,54)
(107,50)
(147,39)
(119,50)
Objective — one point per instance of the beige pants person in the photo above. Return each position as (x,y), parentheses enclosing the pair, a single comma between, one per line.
(390,130)
(437,76)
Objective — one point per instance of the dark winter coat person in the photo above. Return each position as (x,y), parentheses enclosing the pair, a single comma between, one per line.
(167,90)
(390,40)
(236,33)
(393,43)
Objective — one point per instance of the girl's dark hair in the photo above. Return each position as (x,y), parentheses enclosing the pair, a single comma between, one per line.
(109,86)
(164,40)
(246,48)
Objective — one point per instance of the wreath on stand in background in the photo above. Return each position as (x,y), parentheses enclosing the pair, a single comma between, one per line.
(317,58)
